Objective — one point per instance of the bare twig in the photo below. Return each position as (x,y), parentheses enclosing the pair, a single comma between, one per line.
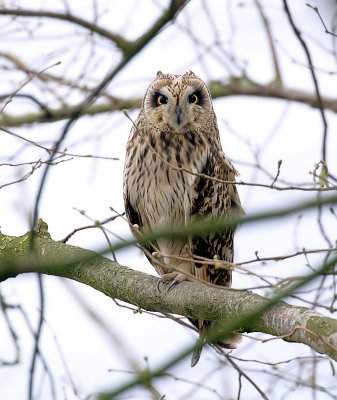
(298,34)
(266,25)
(10,97)
(120,42)
(321,19)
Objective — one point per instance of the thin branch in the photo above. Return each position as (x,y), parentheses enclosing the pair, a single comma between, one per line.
(298,34)
(266,25)
(97,224)
(200,227)
(205,176)
(120,42)
(321,19)
(279,163)
(46,77)
(11,96)
(37,335)
(250,380)
(235,87)
(285,257)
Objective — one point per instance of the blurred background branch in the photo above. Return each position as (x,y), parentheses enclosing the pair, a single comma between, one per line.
(87,62)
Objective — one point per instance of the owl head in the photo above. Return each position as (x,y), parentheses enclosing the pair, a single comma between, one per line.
(177,103)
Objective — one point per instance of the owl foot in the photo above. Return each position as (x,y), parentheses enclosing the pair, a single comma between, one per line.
(174,277)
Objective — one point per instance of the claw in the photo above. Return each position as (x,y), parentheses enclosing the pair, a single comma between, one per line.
(197,351)
(173,283)
(174,277)
(158,284)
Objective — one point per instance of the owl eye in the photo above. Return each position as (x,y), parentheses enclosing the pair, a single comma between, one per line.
(159,99)
(194,98)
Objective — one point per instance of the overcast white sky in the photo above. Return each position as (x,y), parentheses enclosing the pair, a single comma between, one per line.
(281,131)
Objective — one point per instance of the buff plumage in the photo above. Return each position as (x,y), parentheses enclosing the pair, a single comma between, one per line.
(174,146)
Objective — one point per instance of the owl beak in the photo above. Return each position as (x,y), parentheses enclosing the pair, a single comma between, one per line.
(177,111)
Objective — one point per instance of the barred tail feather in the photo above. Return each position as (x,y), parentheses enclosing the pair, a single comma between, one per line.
(231,342)
(197,350)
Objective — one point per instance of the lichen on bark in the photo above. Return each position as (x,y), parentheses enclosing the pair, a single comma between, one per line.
(232,309)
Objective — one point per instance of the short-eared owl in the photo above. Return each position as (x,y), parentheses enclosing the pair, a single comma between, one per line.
(174,146)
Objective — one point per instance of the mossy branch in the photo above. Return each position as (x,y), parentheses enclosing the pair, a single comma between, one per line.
(191,299)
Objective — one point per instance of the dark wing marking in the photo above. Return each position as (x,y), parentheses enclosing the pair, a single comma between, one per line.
(135,219)
(214,200)
(132,214)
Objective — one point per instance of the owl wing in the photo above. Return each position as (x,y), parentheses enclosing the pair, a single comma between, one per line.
(134,217)
(213,199)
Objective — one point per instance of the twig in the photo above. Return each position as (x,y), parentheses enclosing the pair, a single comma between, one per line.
(279,163)
(120,42)
(265,21)
(205,176)
(242,373)
(298,34)
(319,16)
(25,83)
(95,225)
(295,254)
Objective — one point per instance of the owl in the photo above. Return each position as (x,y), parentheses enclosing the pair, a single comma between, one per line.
(176,172)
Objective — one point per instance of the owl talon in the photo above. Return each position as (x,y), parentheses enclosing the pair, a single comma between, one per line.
(174,277)
(159,281)
(173,283)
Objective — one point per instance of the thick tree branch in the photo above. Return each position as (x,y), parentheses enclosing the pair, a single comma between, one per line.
(291,323)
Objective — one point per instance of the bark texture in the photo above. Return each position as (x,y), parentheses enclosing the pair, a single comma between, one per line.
(242,310)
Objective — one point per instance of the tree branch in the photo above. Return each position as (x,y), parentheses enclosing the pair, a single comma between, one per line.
(269,36)
(128,48)
(236,87)
(246,87)
(120,42)
(191,299)
(298,34)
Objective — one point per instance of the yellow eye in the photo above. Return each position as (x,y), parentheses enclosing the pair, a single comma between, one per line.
(193,98)
(160,99)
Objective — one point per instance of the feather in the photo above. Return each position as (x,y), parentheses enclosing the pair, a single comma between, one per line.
(175,173)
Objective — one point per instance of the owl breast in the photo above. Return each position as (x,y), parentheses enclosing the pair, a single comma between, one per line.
(160,182)
(160,172)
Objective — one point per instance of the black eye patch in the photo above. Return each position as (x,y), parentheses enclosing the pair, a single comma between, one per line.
(159,99)
(196,98)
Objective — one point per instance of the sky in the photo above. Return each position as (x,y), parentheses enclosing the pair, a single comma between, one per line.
(80,352)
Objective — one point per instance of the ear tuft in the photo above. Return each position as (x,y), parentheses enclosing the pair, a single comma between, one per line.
(160,75)
(190,74)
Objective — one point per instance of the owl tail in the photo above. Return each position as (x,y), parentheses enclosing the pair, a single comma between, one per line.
(231,342)
(197,350)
